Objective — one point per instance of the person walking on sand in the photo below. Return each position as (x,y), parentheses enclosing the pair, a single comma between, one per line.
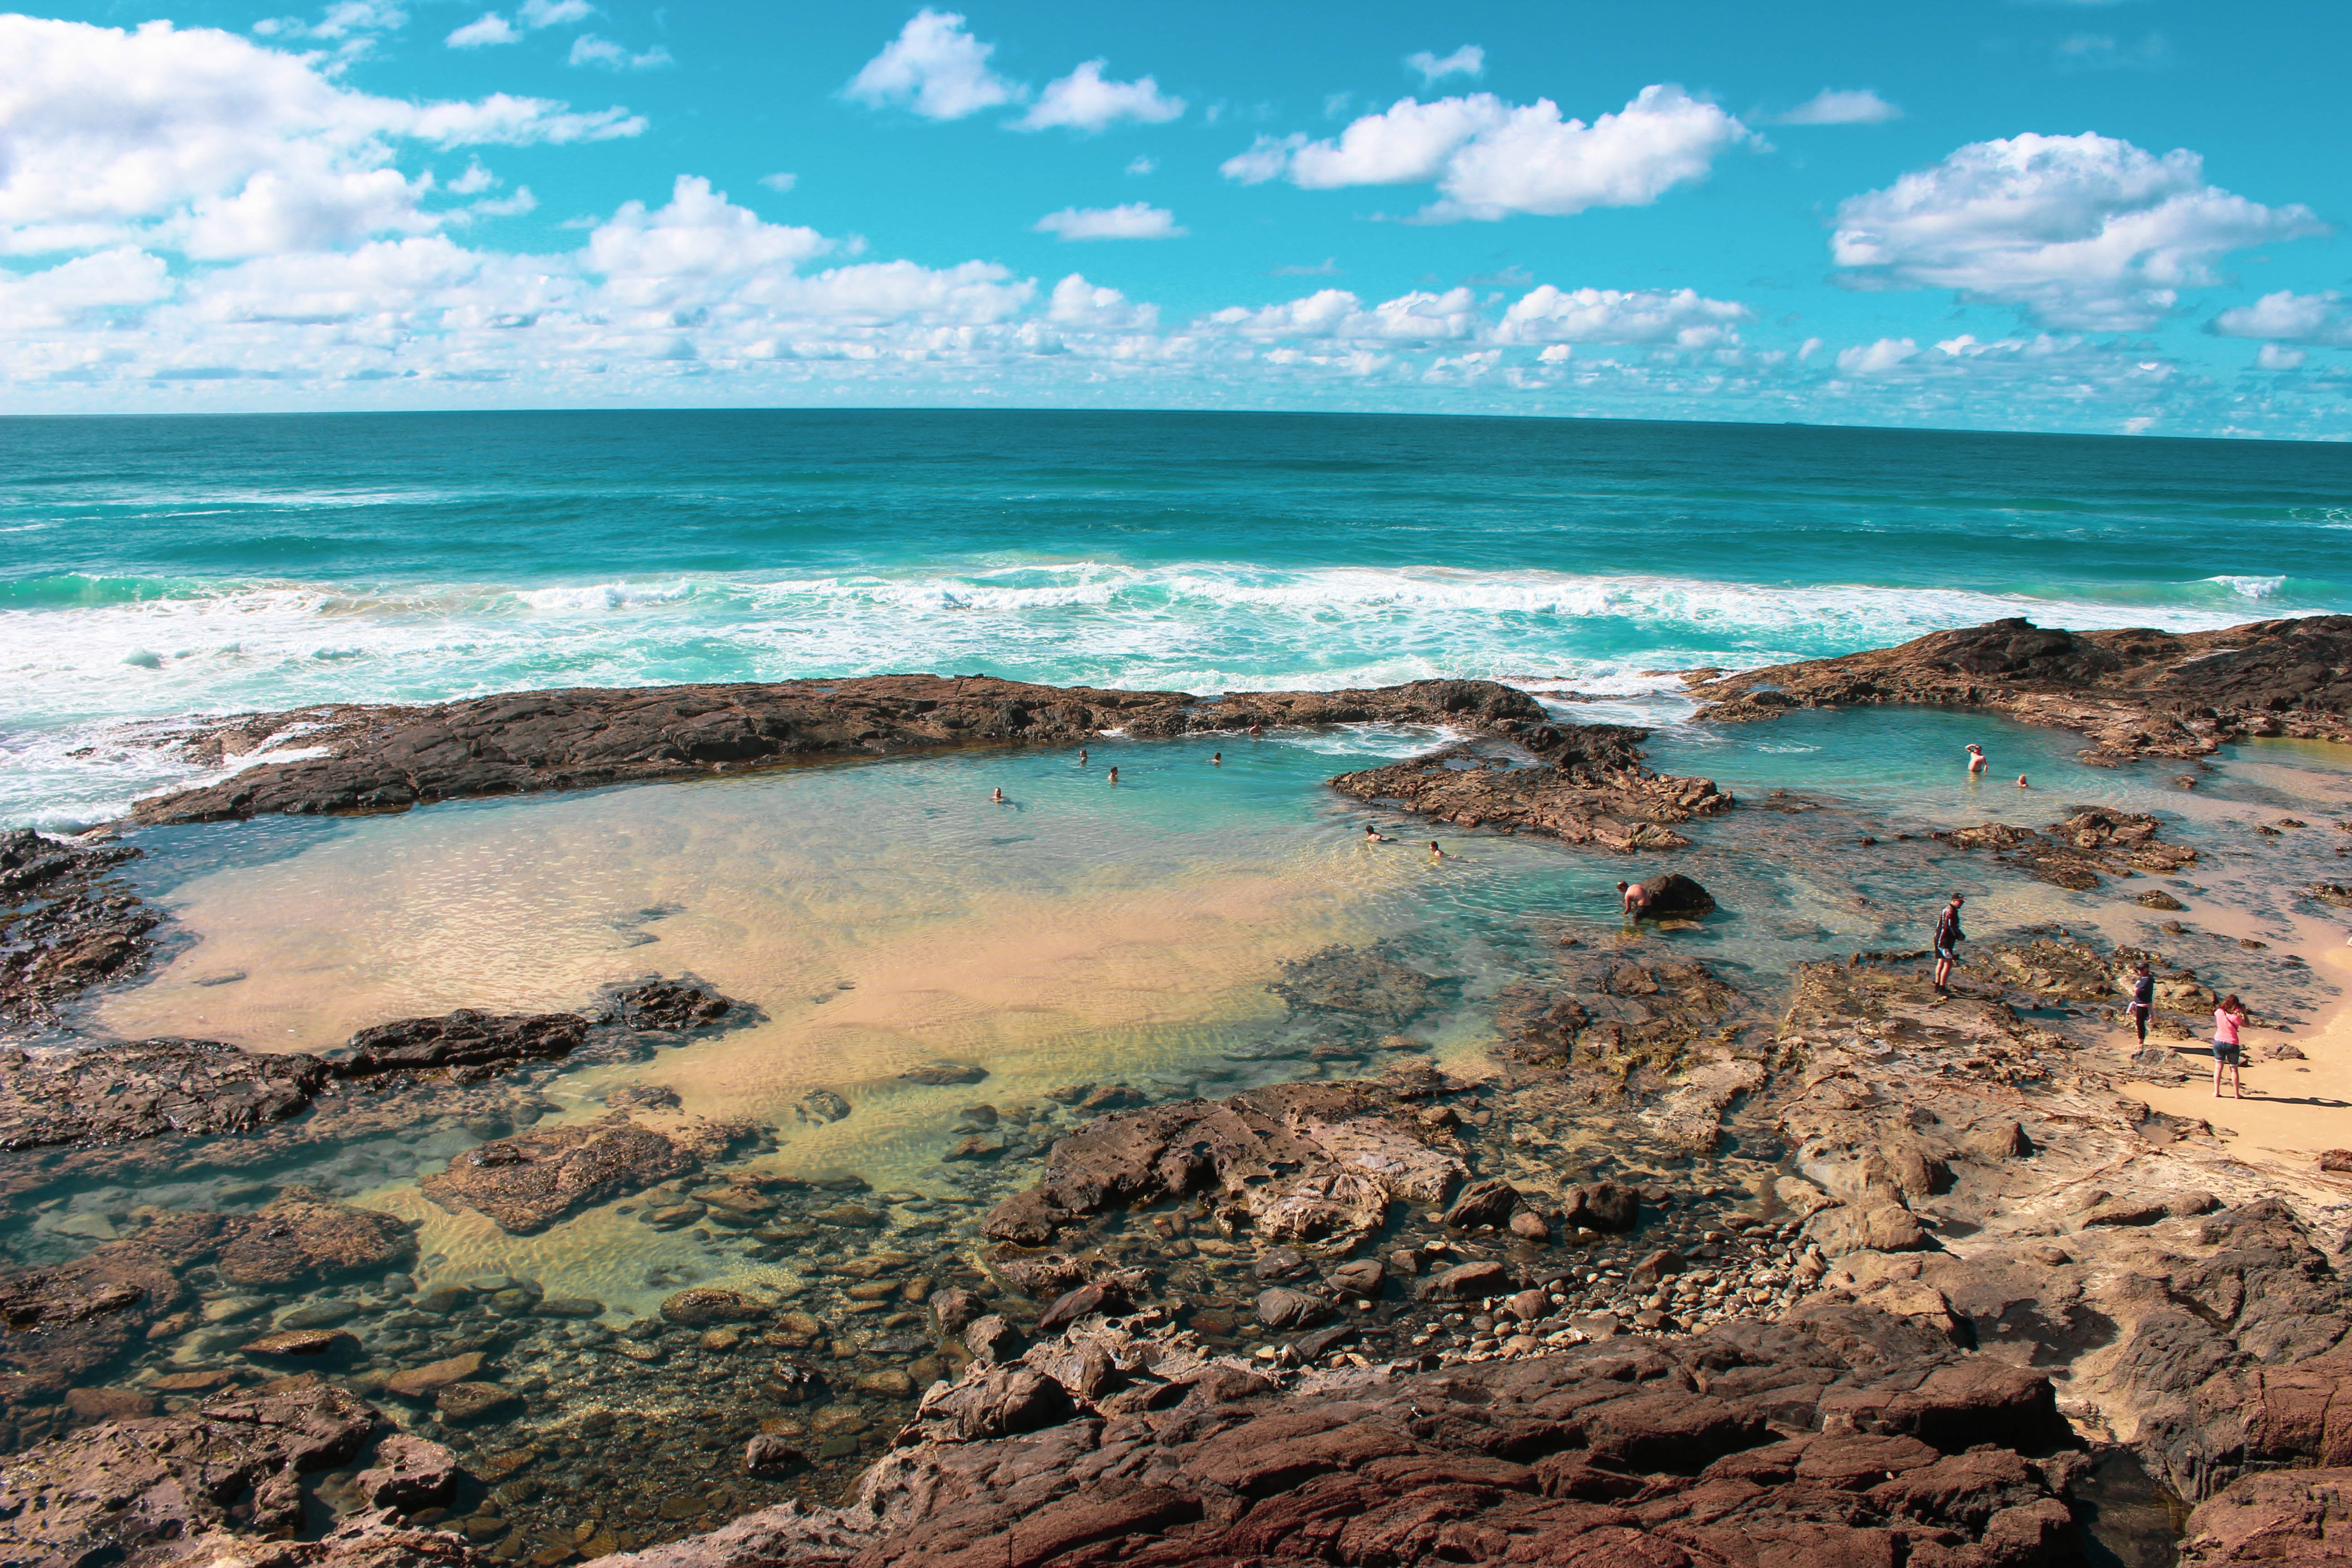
(2227,1052)
(1948,937)
(1976,759)
(2142,987)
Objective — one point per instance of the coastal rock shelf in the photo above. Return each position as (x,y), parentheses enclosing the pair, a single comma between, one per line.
(388,759)
(1588,786)
(66,923)
(2135,693)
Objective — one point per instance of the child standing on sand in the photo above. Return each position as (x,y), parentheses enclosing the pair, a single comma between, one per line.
(2227,1052)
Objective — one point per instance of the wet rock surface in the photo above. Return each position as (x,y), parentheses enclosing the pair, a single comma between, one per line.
(113,1093)
(2077,853)
(1585,786)
(2134,693)
(67,924)
(528,1182)
(389,759)
(465,1040)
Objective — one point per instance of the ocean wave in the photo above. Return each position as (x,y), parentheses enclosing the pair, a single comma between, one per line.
(82,652)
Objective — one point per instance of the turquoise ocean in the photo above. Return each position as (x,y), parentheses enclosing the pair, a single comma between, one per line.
(155,570)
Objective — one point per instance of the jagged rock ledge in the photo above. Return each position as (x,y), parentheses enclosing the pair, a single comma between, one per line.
(1585,785)
(2135,693)
(392,758)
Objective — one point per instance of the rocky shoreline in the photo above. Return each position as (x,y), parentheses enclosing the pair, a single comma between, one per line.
(2134,693)
(1711,1267)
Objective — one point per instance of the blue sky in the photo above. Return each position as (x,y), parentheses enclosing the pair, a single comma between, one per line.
(2120,216)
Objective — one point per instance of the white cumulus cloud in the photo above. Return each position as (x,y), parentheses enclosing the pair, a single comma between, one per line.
(588,50)
(1129,220)
(1682,317)
(1878,358)
(1084,101)
(2085,231)
(203,142)
(2278,356)
(483,31)
(2288,317)
(1078,303)
(936,68)
(555,13)
(1842,106)
(1489,159)
(1469,60)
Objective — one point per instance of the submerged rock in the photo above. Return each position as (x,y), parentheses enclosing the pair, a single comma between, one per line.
(2073,853)
(529,1182)
(303,1238)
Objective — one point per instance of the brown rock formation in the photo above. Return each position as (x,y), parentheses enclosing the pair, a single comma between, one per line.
(2134,693)
(528,1182)
(2073,853)
(1294,1160)
(113,1092)
(1589,786)
(65,924)
(388,759)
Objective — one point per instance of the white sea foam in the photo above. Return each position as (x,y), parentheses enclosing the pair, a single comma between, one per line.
(75,670)
(2250,587)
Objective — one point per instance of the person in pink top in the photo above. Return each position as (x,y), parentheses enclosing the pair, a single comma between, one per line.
(2227,1017)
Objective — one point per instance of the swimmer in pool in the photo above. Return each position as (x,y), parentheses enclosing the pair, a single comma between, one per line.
(1435,854)
(1216,759)
(1975,758)
(1082,756)
(999,796)
(1373,835)
(1257,729)
(1114,775)
(2021,783)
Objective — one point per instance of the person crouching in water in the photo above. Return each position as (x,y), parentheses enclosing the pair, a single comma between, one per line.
(2227,1052)
(1636,899)
(1948,937)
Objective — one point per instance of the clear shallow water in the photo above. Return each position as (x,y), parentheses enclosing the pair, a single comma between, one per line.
(886,915)
(155,568)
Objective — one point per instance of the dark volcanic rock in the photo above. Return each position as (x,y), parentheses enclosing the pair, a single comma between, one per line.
(110,1093)
(388,759)
(466,1038)
(673,1005)
(527,1182)
(1674,897)
(1593,790)
(102,1493)
(64,926)
(2135,693)
(1295,1162)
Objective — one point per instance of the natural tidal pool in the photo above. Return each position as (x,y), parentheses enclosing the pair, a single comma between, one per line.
(877,919)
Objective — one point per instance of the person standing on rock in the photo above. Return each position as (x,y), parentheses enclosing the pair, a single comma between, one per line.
(1948,937)
(2142,987)
(2227,1052)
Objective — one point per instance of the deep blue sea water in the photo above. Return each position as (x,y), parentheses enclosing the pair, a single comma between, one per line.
(152,569)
